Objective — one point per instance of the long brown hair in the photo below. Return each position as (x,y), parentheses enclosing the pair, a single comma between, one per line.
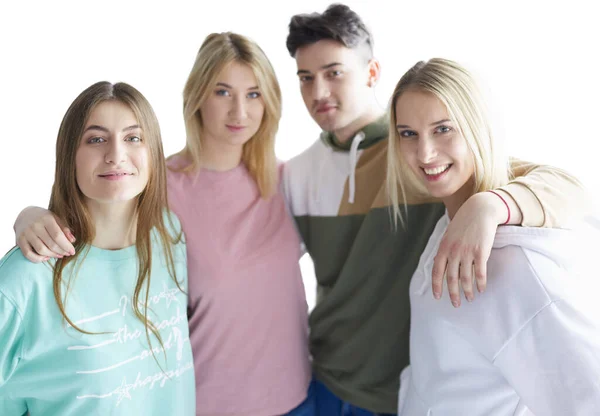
(68,202)
(217,51)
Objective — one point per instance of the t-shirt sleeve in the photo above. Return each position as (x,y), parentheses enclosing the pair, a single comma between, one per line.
(553,363)
(11,342)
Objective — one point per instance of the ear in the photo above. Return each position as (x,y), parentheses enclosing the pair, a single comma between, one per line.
(374,72)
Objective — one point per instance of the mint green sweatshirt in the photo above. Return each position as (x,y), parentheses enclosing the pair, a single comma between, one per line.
(48,368)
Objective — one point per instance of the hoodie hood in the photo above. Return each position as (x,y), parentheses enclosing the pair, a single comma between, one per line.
(368,136)
(373,133)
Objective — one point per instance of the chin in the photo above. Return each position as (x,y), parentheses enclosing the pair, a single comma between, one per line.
(441,193)
(327,123)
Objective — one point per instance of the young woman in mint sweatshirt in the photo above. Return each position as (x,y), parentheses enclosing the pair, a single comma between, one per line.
(528,344)
(104,330)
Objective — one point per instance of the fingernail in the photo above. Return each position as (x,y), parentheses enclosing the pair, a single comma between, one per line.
(72,252)
(437,295)
(46,259)
(71,238)
(455,303)
(470,298)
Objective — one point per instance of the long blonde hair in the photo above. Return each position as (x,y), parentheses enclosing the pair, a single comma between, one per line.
(217,51)
(68,202)
(457,89)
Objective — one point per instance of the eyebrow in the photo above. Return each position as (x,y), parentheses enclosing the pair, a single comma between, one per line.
(104,129)
(331,65)
(404,126)
(222,84)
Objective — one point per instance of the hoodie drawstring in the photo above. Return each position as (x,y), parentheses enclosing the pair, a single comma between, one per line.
(358,138)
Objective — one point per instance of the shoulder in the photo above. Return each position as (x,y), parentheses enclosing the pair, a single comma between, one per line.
(176,173)
(176,162)
(19,276)
(537,264)
(308,157)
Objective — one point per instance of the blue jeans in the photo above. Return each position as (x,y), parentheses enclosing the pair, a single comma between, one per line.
(308,407)
(322,402)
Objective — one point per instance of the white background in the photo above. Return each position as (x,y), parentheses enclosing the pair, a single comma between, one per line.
(538,59)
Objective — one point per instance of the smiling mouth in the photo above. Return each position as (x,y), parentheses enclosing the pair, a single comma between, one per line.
(437,172)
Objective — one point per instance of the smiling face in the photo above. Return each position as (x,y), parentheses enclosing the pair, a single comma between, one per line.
(112,160)
(432,146)
(335,82)
(234,110)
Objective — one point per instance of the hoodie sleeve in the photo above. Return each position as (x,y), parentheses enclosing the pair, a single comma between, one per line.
(547,196)
(11,341)
(553,363)
(286,188)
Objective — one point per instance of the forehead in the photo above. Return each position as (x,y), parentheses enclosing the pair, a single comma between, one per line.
(416,107)
(315,56)
(112,113)
(237,75)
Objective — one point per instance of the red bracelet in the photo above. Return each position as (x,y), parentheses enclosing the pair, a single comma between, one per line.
(507,207)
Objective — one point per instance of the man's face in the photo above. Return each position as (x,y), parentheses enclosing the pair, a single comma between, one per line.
(335,83)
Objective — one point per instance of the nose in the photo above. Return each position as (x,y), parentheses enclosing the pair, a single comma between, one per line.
(239,108)
(116,151)
(426,151)
(320,89)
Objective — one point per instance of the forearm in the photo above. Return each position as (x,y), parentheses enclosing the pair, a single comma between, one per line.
(546,196)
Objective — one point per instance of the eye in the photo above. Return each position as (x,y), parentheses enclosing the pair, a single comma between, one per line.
(407,134)
(222,93)
(335,73)
(443,129)
(253,94)
(96,140)
(305,78)
(134,139)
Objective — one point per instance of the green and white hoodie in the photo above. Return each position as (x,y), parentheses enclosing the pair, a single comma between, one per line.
(360,325)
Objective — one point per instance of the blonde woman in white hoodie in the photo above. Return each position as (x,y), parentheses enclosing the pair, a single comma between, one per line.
(527,345)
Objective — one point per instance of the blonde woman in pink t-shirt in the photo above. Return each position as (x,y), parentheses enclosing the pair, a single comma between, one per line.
(248,316)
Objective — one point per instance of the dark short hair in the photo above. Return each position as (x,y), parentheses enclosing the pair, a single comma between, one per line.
(338,22)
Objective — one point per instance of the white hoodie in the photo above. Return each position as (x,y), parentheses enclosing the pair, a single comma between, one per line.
(527,345)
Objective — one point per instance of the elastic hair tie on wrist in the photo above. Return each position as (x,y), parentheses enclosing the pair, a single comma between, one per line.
(505,203)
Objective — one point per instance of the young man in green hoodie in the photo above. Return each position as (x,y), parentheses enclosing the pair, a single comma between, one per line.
(337,194)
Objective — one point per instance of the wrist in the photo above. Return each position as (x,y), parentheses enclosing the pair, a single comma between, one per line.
(507,212)
(502,208)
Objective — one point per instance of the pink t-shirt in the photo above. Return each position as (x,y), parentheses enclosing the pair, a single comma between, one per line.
(248,312)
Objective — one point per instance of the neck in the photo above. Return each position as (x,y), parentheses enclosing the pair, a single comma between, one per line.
(115,224)
(457,199)
(220,156)
(371,115)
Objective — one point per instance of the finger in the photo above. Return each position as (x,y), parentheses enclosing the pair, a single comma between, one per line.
(56,240)
(31,255)
(481,274)
(437,275)
(466,279)
(28,242)
(38,246)
(69,234)
(452,277)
